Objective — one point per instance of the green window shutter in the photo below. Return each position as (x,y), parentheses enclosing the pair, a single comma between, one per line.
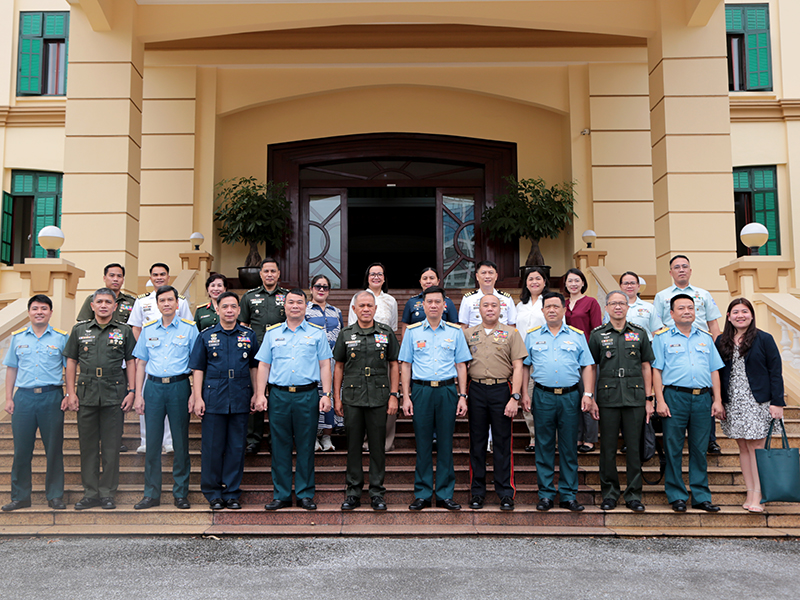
(44,215)
(7,228)
(31,24)
(55,25)
(22,183)
(733,18)
(29,64)
(759,75)
(765,207)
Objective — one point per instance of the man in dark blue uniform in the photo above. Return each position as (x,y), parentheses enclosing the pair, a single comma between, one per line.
(225,356)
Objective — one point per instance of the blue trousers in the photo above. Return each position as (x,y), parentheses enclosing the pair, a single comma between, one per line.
(222,455)
(293,418)
(691,417)
(556,413)
(31,412)
(172,400)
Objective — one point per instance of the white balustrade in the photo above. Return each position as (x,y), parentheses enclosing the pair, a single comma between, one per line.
(789,343)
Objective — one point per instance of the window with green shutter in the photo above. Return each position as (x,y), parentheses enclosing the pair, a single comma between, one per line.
(756,200)
(749,58)
(34,202)
(42,60)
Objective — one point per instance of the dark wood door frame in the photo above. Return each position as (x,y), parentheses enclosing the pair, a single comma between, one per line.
(284,162)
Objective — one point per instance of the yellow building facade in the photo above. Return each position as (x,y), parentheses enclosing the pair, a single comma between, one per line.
(403,117)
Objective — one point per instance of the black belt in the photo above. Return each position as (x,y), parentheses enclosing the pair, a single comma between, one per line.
(491,381)
(231,374)
(98,372)
(294,388)
(623,373)
(692,391)
(435,384)
(173,379)
(44,389)
(556,391)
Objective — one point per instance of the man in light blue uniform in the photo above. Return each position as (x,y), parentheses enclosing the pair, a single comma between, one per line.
(686,366)
(558,357)
(35,364)
(163,350)
(433,357)
(294,356)
(706,312)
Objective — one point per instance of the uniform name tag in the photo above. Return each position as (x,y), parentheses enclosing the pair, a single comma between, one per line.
(631,337)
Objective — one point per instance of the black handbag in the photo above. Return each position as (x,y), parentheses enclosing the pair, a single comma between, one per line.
(650,445)
(778,470)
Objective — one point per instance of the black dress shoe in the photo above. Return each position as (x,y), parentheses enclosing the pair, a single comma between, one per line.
(506,503)
(351,503)
(15,504)
(251,449)
(623,450)
(449,504)
(679,506)
(57,504)
(107,503)
(85,503)
(571,505)
(419,504)
(544,504)
(306,504)
(477,502)
(713,448)
(706,506)
(608,504)
(217,504)
(278,504)
(585,448)
(182,503)
(635,506)
(123,448)
(233,504)
(147,502)
(530,448)
(378,503)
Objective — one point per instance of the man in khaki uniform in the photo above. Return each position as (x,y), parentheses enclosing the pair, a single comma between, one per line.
(104,391)
(495,375)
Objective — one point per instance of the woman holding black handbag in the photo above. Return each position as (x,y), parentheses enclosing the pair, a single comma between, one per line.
(752,389)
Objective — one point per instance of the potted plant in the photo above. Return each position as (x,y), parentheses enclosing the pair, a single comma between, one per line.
(530,209)
(255,213)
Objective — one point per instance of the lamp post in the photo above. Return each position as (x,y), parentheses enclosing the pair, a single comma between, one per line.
(197,240)
(754,235)
(51,238)
(589,237)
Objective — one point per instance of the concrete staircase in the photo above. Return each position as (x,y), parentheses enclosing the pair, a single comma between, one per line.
(659,520)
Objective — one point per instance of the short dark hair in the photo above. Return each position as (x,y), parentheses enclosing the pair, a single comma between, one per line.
(486,263)
(224,295)
(165,289)
(297,292)
(579,273)
(42,299)
(319,276)
(525,294)
(677,256)
(162,265)
(214,277)
(549,295)
(111,266)
(269,259)
(631,273)
(679,297)
(434,289)
(385,286)
(426,269)
(104,291)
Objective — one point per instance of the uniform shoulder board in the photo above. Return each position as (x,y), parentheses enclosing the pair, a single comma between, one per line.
(468,294)
(78,323)
(282,290)
(145,295)
(660,331)
(61,331)
(456,325)
(706,331)
(19,330)
(188,321)
(635,326)
(575,329)
(243,326)
(502,293)
(273,326)
(603,325)
(181,296)
(315,325)
(414,325)
(150,323)
(252,290)
(534,328)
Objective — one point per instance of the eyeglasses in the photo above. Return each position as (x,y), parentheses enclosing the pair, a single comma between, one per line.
(629,283)
(322,288)
(376,275)
(616,304)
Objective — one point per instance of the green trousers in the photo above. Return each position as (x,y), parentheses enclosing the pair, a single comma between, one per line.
(372,421)
(100,435)
(293,417)
(434,410)
(630,418)
(556,413)
(172,400)
(691,417)
(31,412)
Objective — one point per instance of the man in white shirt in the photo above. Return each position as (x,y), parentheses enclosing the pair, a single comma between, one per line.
(486,277)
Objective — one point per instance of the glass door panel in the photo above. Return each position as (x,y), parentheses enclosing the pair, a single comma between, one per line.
(458,227)
(326,234)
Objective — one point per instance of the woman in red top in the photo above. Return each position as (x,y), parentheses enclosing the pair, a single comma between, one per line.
(583,312)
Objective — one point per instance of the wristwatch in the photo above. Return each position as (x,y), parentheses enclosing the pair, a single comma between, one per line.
(650,398)
(590,394)
(462,395)
(516,397)
(131,391)
(395,394)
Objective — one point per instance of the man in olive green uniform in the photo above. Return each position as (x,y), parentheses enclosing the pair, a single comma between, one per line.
(365,383)
(113,278)
(262,307)
(623,354)
(104,391)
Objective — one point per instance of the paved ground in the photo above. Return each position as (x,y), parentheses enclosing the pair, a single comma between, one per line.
(399,569)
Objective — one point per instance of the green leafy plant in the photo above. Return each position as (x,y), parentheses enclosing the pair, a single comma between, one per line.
(530,209)
(254,213)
